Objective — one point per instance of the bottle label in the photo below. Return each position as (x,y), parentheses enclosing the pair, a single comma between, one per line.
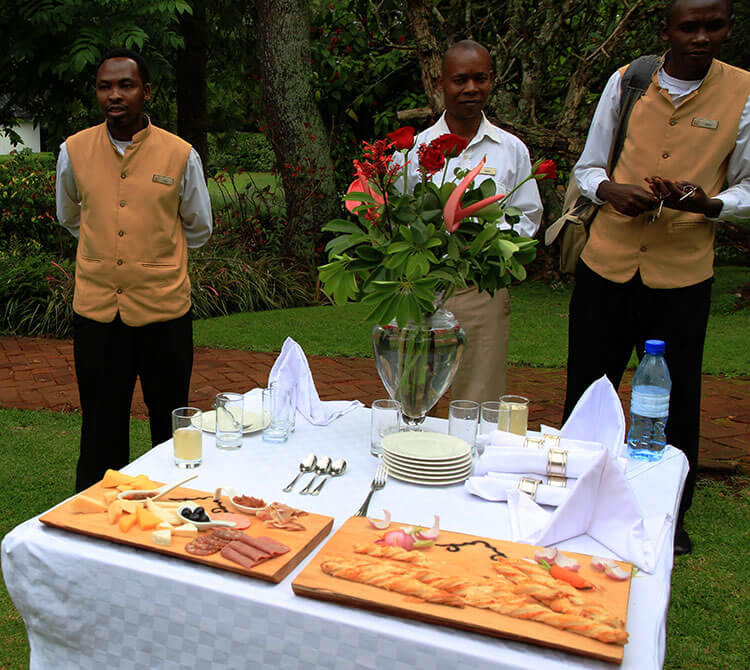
(650,401)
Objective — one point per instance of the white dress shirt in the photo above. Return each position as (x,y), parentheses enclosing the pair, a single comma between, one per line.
(591,168)
(195,203)
(506,155)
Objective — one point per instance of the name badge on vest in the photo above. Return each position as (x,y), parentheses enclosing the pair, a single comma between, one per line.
(711,124)
(161,179)
(488,170)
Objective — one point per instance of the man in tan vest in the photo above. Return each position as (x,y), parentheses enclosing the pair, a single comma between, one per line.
(135,197)
(647,268)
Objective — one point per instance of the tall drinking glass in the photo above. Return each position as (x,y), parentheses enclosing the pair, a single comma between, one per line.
(516,415)
(229,414)
(187,436)
(463,418)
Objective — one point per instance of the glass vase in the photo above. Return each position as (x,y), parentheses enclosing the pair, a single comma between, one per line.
(417,363)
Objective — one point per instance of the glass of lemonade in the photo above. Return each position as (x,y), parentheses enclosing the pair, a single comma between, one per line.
(187,436)
(515,418)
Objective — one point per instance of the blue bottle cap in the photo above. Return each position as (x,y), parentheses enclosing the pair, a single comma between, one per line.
(655,347)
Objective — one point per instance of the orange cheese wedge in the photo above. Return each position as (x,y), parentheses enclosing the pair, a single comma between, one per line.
(146,520)
(114,478)
(114,511)
(83,504)
(126,522)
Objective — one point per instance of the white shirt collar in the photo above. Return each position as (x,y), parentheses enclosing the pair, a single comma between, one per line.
(486,129)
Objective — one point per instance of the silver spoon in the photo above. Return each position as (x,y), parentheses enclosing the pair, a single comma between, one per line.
(337,468)
(323,467)
(306,465)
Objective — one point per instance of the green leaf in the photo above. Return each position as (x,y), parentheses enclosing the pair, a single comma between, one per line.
(397,247)
(358,196)
(338,245)
(483,238)
(512,211)
(487,188)
(342,226)
(506,248)
(369,254)
(445,191)
(405,214)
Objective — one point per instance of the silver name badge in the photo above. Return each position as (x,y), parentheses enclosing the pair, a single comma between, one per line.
(711,124)
(161,179)
(488,170)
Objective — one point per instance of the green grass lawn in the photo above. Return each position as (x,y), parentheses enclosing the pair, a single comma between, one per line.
(539,328)
(708,616)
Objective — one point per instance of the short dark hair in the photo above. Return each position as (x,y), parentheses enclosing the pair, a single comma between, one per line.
(464,45)
(122,52)
(671,4)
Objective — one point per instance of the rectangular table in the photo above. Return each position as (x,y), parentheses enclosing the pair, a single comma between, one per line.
(88,603)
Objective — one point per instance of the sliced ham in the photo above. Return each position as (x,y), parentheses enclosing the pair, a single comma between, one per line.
(231,554)
(250,551)
(266,544)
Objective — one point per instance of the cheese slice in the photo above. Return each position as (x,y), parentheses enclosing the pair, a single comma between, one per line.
(83,504)
(146,520)
(162,537)
(185,530)
(110,496)
(164,525)
(114,478)
(131,506)
(114,511)
(126,522)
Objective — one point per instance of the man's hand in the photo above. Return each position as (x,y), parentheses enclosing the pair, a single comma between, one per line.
(685,196)
(627,199)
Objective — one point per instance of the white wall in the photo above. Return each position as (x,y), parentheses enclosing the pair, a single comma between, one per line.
(29,136)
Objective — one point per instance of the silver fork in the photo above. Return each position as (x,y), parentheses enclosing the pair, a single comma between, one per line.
(378,482)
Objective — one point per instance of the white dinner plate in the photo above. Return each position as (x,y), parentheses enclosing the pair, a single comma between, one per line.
(425,446)
(251,422)
(453,463)
(426,470)
(428,482)
(438,479)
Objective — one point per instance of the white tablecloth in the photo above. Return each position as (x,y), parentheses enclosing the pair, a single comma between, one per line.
(89,604)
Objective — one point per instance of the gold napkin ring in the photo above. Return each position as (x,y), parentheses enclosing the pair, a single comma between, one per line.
(555,480)
(557,462)
(529,486)
(533,443)
(554,441)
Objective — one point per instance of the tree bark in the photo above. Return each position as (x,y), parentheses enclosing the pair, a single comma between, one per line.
(295,126)
(192,90)
(429,54)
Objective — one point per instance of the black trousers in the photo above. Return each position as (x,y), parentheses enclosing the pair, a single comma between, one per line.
(108,358)
(608,319)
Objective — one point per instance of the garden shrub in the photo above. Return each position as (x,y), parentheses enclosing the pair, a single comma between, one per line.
(235,150)
(36,294)
(27,205)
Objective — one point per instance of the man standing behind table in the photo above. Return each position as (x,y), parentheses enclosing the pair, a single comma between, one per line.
(135,197)
(646,271)
(466,81)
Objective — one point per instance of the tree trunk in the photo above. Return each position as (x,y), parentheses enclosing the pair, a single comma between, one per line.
(192,90)
(295,126)
(429,54)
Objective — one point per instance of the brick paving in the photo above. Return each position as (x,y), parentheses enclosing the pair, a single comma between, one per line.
(38,373)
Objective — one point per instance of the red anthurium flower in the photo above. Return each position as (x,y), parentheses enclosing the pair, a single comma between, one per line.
(451,145)
(453,214)
(361,185)
(548,169)
(431,158)
(403,138)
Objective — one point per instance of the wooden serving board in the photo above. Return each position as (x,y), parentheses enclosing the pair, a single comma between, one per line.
(300,543)
(470,560)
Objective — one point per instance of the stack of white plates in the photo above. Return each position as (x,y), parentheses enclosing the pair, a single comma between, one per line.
(432,459)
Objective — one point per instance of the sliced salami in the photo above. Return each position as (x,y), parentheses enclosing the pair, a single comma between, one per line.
(197,548)
(228,534)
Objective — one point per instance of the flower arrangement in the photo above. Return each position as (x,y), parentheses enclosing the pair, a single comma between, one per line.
(411,243)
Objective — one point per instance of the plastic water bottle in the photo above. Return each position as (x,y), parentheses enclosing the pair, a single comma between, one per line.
(649,405)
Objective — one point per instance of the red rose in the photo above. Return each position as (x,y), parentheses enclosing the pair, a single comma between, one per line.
(403,138)
(449,144)
(546,170)
(431,158)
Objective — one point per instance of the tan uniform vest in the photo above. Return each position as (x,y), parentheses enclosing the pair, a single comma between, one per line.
(132,252)
(693,143)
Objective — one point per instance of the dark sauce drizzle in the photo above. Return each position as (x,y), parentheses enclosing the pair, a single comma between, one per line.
(456,546)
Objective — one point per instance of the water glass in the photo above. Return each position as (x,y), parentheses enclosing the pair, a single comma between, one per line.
(490,412)
(463,418)
(515,417)
(187,436)
(277,410)
(229,414)
(385,419)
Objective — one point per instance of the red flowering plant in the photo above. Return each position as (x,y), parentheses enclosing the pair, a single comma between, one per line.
(410,243)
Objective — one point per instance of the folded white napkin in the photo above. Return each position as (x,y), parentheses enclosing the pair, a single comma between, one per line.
(602,503)
(502,438)
(291,370)
(513,459)
(495,488)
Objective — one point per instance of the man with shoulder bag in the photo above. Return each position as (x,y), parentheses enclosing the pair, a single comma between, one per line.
(647,267)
